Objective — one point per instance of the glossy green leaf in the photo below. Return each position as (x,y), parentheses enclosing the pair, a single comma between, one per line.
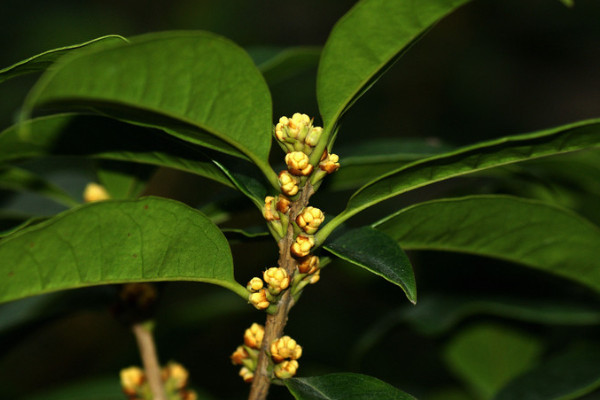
(150,239)
(378,253)
(365,42)
(42,61)
(190,83)
(486,357)
(246,178)
(71,135)
(468,160)
(288,63)
(344,386)
(568,375)
(18,179)
(527,232)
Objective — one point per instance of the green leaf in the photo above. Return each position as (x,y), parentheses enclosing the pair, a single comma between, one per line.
(107,388)
(190,83)
(365,42)
(527,232)
(246,178)
(18,179)
(150,239)
(486,357)
(288,63)
(343,386)
(44,60)
(378,253)
(123,180)
(71,135)
(467,160)
(568,375)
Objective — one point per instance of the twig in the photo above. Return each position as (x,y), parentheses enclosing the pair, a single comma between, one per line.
(145,342)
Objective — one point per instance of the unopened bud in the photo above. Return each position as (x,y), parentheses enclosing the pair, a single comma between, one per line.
(239,355)
(286,369)
(313,137)
(94,192)
(253,336)
(177,374)
(330,164)
(298,163)
(302,246)
(259,300)
(277,279)
(189,395)
(314,278)
(131,379)
(255,284)
(246,374)
(308,265)
(309,219)
(289,184)
(285,347)
(269,209)
(283,204)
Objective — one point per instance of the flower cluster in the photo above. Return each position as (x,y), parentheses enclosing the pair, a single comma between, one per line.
(277,280)
(246,355)
(297,133)
(285,352)
(174,377)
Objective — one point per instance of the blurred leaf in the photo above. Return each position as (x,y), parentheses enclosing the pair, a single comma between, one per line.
(250,233)
(568,3)
(284,64)
(344,386)
(96,389)
(69,135)
(149,239)
(13,223)
(18,179)
(527,232)
(569,375)
(42,61)
(365,42)
(378,253)
(195,85)
(246,178)
(468,160)
(123,180)
(486,357)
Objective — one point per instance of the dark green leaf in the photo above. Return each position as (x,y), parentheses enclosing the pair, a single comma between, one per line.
(70,135)
(250,233)
(343,387)
(365,42)
(190,83)
(378,253)
(246,178)
(467,160)
(527,232)
(123,180)
(42,61)
(17,179)
(486,357)
(569,375)
(149,239)
(97,389)
(288,63)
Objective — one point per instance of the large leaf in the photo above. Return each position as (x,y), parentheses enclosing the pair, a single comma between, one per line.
(195,85)
(486,357)
(42,61)
(527,232)
(365,42)
(71,135)
(344,386)
(150,239)
(378,253)
(468,160)
(566,376)
(18,179)
(281,65)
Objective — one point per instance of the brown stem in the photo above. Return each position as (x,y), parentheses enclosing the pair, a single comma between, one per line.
(145,342)
(276,322)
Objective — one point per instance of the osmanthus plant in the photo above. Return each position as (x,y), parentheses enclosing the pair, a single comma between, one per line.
(196,102)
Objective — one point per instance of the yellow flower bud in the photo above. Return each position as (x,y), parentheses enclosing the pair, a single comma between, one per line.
(269,209)
(308,265)
(177,374)
(253,336)
(281,129)
(302,246)
(313,137)
(246,374)
(239,355)
(289,184)
(314,278)
(255,284)
(330,164)
(189,395)
(259,300)
(298,163)
(131,379)
(277,279)
(286,369)
(283,204)
(285,347)
(309,219)
(94,192)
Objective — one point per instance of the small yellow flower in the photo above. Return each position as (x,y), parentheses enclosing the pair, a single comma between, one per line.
(285,347)
(298,163)
(277,279)
(289,184)
(313,137)
(283,204)
(314,278)
(253,336)
(177,374)
(268,209)
(259,300)
(239,355)
(330,164)
(246,374)
(255,284)
(94,192)
(308,265)
(302,246)
(286,369)
(131,379)
(309,219)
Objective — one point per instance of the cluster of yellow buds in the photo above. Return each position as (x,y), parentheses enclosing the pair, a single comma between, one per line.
(246,355)
(297,133)
(95,192)
(275,212)
(309,266)
(302,246)
(310,219)
(277,280)
(285,352)
(174,377)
